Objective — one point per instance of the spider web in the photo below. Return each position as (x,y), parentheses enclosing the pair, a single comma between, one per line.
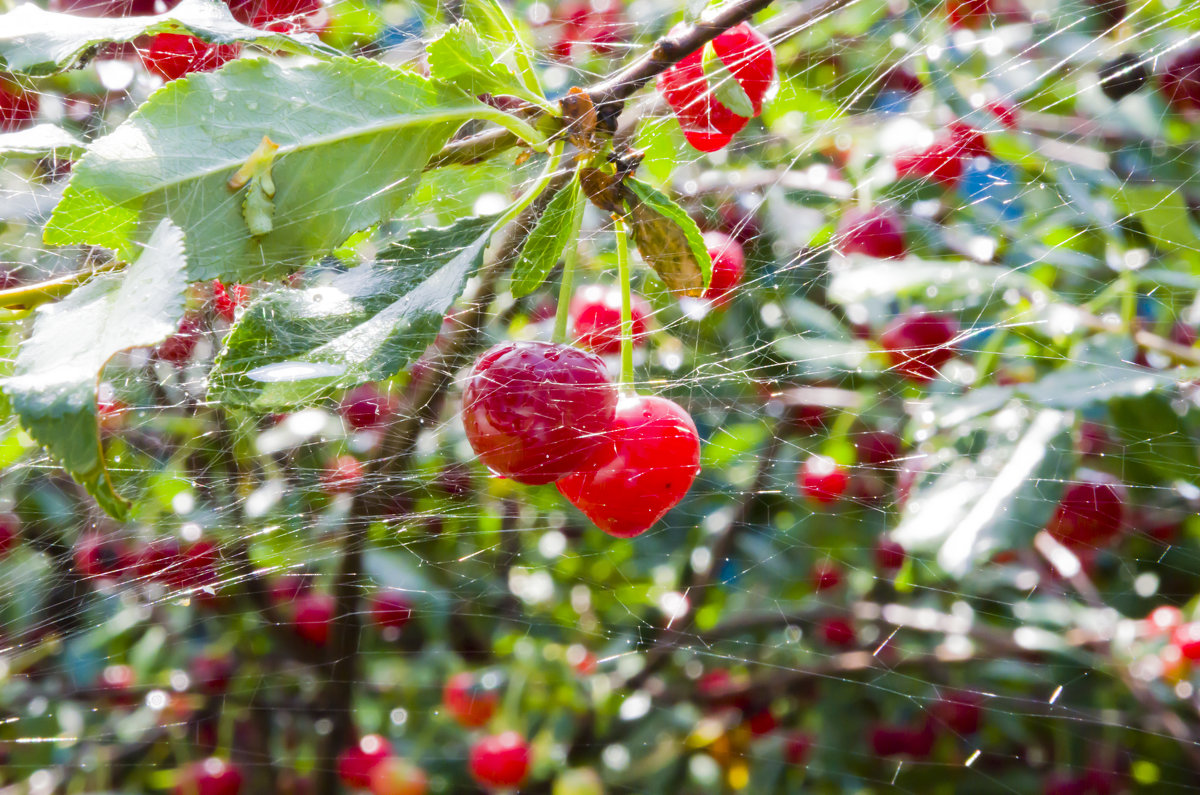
(698,657)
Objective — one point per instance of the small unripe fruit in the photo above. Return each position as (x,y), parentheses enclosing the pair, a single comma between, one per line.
(396,776)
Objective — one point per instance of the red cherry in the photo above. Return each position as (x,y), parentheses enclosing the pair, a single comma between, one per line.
(652,457)
(227,300)
(1164,618)
(366,406)
(889,555)
(212,673)
(902,741)
(969,13)
(1005,113)
(471,704)
(919,343)
(280,16)
(178,348)
(95,556)
(10,529)
(1186,638)
(390,609)
(288,588)
(970,142)
(838,632)
(796,747)
(941,162)
(826,576)
(1180,81)
(173,55)
(534,411)
(1090,514)
(707,124)
(160,560)
(822,480)
(356,763)
(878,450)
(396,776)
(762,723)
(197,566)
(500,760)
(959,712)
(875,233)
(18,107)
(728,266)
(312,618)
(902,79)
(343,475)
(596,318)
(213,776)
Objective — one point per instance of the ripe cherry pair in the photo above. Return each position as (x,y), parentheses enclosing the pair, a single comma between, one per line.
(541,413)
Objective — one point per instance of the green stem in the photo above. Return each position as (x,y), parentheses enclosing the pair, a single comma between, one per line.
(518,207)
(626,307)
(30,295)
(570,260)
(518,127)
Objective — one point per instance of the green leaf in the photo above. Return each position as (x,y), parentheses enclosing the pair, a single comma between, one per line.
(999,500)
(40,140)
(493,19)
(295,346)
(353,136)
(1163,212)
(865,278)
(460,57)
(555,230)
(1077,387)
(724,86)
(39,42)
(53,388)
(1154,435)
(668,239)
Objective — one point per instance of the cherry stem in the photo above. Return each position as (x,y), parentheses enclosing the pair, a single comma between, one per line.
(570,259)
(626,382)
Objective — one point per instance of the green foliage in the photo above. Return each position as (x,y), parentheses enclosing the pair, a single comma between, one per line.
(556,229)
(351,151)
(296,346)
(53,386)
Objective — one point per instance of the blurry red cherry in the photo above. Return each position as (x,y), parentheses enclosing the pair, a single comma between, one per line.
(919,343)
(366,406)
(97,556)
(212,673)
(10,532)
(344,475)
(535,411)
(1186,638)
(941,162)
(796,747)
(969,13)
(707,124)
(728,266)
(173,55)
(356,763)
(227,300)
(889,555)
(1090,514)
(838,632)
(822,480)
(761,723)
(876,233)
(312,618)
(1164,618)
(959,711)
(596,318)
(651,457)
(280,16)
(468,701)
(178,348)
(825,576)
(18,105)
(390,609)
(500,760)
(1180,81)
(878,450)
(212,776)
